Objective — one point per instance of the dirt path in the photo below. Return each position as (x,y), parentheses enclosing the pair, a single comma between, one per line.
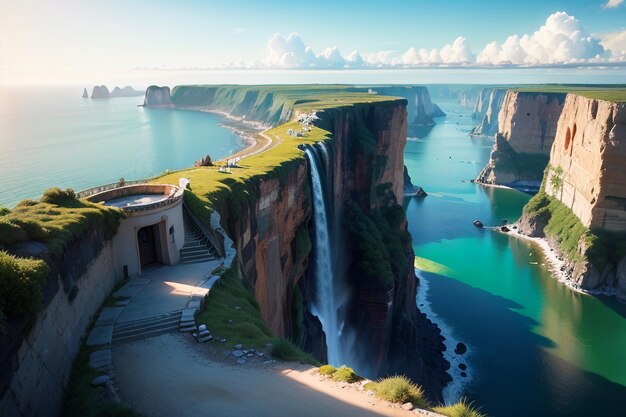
(170,375)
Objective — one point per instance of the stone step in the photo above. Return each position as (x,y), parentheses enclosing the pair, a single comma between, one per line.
(194,251)
(166,322)
(197,258)
(123,324)
(144,335)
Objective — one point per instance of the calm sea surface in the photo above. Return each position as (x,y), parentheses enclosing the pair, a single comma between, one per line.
(536,348)
(53,137)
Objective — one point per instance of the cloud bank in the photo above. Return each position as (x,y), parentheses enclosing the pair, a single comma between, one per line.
(561,40)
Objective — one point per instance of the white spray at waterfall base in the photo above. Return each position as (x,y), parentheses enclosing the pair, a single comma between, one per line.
(454,390)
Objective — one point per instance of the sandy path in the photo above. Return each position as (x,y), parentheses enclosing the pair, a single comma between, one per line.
(170,375)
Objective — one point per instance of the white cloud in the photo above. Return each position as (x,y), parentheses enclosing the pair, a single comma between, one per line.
(561,40)
(611,4)
(615,41)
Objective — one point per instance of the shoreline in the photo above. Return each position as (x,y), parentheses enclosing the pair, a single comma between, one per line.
(555,265)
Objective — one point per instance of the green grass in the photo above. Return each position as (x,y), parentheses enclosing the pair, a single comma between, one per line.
(346,374)
(399,389)
(231,312)
(616,94)
(21,283)
(460,409)
(327,370)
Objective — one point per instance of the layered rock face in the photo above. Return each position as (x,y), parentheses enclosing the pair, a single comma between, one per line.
(590,148)
(527,125)
(587,175)
(486,109)
(157,97)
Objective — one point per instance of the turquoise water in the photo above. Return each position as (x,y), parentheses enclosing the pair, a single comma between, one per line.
(53,137)
(536,348)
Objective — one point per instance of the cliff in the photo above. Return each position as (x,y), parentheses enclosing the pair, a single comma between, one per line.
(527,124)
(100,91)
(267,213)
(585,185)
(420,108)
(127,91)
(486,109)
(157,97)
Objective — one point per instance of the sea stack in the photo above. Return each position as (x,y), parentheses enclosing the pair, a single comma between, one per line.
(157,97)
(100,91)
(85,95)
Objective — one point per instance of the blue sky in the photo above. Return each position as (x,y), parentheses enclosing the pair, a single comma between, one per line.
(86,35)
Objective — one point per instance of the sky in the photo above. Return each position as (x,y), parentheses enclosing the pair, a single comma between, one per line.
(47,41)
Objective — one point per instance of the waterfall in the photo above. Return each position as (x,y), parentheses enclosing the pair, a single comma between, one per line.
(325,304)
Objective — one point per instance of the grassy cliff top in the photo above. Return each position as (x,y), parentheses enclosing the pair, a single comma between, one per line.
(613,93)
(209,186)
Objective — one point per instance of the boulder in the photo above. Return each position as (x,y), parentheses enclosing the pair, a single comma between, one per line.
(462,366)
(420,193)
(460,348)
(504,229)
(407,406)
(237,353)
(478,224)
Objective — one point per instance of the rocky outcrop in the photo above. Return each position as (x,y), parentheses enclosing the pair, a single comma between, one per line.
(100,91)
(85,94)
(586,175)
(526,128)
(157,97)
(486,110)
(127,91)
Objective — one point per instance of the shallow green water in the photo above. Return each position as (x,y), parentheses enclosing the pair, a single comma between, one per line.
(536,348)
(50,136)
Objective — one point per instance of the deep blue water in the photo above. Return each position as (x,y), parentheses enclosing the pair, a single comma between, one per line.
(54,137)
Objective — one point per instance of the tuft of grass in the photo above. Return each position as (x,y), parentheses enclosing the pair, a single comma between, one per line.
(462,408)
(345,374)
(327,370)
(21,284)
(399,389)
(286,351)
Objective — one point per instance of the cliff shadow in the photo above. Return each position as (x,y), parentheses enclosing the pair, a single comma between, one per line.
(614,304)
(513,370)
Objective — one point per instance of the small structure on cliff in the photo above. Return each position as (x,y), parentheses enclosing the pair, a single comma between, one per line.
(152,231)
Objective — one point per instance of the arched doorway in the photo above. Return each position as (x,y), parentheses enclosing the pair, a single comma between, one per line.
(149,245)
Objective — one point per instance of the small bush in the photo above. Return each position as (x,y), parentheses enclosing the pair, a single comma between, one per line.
(11,233)
(399,389)
(21,282)
(58,196)
(461,409)
(327,370)
(4,211)
(345,374)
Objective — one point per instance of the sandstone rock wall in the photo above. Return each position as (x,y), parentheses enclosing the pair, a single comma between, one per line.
(486,110)
(590,148)
(526,128)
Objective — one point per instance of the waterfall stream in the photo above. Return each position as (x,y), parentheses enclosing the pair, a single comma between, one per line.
(325,303)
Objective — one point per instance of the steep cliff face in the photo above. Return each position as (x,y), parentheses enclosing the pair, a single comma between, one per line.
(526,128)
(590,148)
(157,97)
(420,108)
(486,110)
(586,182)
(382,317)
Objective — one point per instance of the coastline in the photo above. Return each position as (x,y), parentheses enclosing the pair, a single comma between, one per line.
(557,266)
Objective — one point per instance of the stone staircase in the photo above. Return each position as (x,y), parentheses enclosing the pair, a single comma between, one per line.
(197,247)
(148,327)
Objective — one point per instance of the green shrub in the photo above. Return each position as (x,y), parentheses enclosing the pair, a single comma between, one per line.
(286,351)
(34,229)
(4,211)
(460,409)
(57,196)
(327,370)
(10,232)
(21,282)
(399,389)
(345,374)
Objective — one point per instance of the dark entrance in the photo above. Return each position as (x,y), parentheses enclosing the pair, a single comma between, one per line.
(147,239)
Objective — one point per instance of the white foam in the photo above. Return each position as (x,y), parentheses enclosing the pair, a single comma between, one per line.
(455,389)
